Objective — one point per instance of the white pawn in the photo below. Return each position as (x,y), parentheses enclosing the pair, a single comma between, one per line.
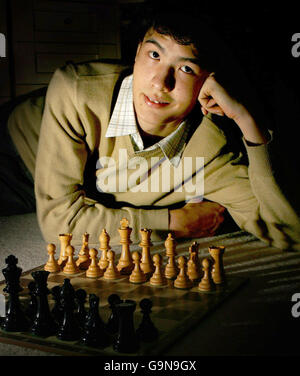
(137,275)
(94,270)
(51,265)
(158,278)
(207,283)
(70,267)
(182,281)
(111,271)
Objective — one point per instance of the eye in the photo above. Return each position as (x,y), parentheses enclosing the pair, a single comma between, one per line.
(154,55)
(187,69)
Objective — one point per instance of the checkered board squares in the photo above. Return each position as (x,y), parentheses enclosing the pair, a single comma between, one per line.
(174,311)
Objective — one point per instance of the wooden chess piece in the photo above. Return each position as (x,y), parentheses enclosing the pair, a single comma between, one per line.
(182,281)
(57,310)
(194,248)
(51,265)
(126,340)
(137,275)
(206,283)
(146,262)
(171,269)
(218,273)
(43,324)
(113,320)
(125,264)
(83,261)
(15,318)
(94,333)
(94,270)
(158,278)
(33,303)
(80,298)
(104,239)
(193,267)
(146,331)
(69,328)
(111,271)
(70,267)
(65,240)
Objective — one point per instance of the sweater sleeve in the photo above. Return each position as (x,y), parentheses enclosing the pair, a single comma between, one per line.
(62,204)
(256,202)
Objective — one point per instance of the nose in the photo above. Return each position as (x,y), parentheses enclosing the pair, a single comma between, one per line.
(164,79)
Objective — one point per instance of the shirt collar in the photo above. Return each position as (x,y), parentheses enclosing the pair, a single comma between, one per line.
(123,122)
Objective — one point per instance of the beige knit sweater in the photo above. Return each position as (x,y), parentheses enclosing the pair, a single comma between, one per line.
(62,153)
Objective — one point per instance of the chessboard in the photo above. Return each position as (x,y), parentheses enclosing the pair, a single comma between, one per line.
(174,312)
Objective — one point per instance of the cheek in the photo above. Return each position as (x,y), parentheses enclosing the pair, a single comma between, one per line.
(187,93)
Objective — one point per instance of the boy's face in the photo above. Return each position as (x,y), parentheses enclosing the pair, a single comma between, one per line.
(167,79)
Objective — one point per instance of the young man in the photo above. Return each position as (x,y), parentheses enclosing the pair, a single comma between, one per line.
(157,155)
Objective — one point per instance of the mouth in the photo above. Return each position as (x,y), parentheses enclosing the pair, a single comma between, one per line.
(155,102)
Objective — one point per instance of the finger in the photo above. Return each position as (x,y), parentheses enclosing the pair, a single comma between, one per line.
(210,103)
(219,221)
(204,111)
(215,110)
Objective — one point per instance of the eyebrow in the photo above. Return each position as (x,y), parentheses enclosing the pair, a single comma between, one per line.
(193,60)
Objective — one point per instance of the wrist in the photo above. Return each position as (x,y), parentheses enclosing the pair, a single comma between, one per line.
(172,220)
(252,132)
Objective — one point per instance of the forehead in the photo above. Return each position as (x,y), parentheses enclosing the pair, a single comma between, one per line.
(167,43)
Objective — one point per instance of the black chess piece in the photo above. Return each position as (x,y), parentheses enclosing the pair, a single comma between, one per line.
(146,332)
(43,324)
(57,310)
(15,318)
(32,305)
(69,329)
(94,333)
(126,340)
(112,324)
(80,297)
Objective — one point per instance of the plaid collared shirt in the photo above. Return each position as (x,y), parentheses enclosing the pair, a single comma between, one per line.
(123,122)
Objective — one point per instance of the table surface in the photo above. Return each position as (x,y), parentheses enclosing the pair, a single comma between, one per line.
(256,320)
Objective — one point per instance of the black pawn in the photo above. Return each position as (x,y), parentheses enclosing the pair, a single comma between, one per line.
(32,306)
(69,329)
(94,333)
(113,321)
(15,319)
(57,310)
(80,297)
(146,332)
(43,323)
(127,340)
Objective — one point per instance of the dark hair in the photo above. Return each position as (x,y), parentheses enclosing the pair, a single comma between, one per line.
(188,25)
(182,25)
